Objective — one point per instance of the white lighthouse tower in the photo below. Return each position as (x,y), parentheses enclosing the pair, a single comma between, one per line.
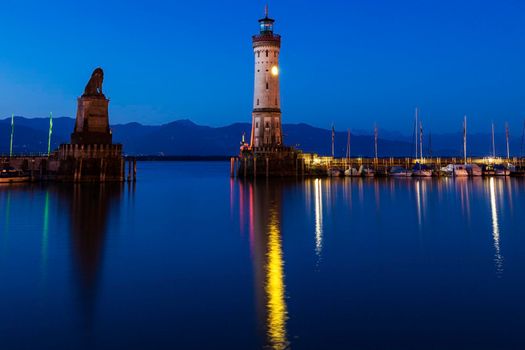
(266,133)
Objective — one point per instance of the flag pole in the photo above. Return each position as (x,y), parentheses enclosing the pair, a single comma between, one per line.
(50,133)
(12,135)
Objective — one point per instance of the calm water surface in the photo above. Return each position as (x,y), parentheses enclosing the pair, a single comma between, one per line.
(189,259)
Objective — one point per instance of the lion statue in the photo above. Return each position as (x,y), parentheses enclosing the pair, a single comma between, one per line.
(94,85)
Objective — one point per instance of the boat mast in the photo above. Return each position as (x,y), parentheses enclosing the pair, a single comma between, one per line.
(493,143)
(465,139)
(507,137)
(333,141)
(415,133)
(348,146)
(522,139)
(421,142)
(375,142)
(430,145)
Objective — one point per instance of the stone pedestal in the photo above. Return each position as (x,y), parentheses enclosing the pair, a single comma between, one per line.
(90,163)
(269,162)
(92,122)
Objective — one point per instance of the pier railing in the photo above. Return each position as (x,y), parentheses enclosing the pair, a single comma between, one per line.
(313,160)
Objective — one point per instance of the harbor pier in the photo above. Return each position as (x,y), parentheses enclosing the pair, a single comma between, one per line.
(251,165)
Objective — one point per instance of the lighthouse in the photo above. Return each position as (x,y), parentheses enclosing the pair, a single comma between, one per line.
(267,155)
(266,135)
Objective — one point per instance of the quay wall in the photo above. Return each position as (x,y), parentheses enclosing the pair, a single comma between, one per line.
(77,163)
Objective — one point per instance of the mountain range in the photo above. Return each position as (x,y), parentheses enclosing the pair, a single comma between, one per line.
(185,138)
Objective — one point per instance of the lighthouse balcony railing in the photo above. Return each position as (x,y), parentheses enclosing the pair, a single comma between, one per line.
(266,37)
(273,149)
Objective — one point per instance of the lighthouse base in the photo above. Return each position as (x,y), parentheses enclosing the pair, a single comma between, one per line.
(270,162)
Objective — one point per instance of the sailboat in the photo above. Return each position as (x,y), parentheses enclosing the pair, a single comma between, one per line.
(399,171)
(499,169)
(493,142)
(367,171)
(349,171)
(507,141)
(511,167)
(421,170)
(459,170)
(333,171)
(11,175)
(474,170)
(519,169)
(353,172)
(471,168)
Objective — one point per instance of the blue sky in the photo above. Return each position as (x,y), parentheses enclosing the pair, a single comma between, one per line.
(351,63)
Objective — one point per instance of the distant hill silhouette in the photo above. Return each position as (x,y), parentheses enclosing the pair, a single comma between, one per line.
(185,138)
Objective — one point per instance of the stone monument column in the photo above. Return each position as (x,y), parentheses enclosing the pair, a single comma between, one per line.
(92,122)
(91,156)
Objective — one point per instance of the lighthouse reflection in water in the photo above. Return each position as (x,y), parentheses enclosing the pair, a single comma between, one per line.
(265,205)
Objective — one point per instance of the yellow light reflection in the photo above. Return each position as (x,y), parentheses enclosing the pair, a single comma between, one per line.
(418,202)
(275,288)
(275,71)
(318,217)
(498,258)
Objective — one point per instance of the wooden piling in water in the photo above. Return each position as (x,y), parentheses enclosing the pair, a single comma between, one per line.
(122,170)
(80,171)
(101,174)
(134,169)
